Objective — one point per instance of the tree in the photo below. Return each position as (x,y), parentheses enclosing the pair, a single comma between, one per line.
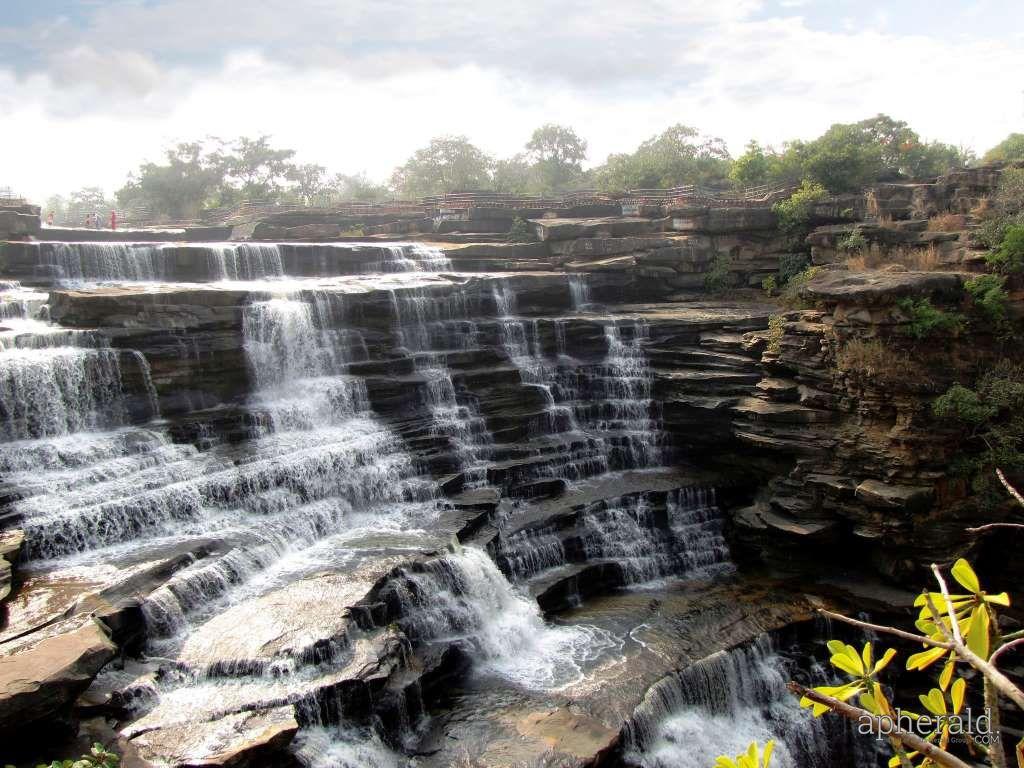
(1009,149)
(178,189)
(514,175)
(846,158)
(254,168)
(557,153)
(356,187)
(309,181)
(447,164)
(677,156)
(752,167)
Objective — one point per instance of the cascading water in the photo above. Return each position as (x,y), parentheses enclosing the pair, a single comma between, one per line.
(718,706)
(84,263)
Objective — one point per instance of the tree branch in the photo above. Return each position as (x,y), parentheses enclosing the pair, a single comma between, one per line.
(881,726)
(886,629)
(1009,488)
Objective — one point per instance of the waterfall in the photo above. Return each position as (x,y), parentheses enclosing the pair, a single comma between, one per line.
(428,326)
(579,291)
(83,263)
(718,706)
(464,596)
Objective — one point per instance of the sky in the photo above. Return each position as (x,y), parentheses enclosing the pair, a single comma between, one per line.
(89,89)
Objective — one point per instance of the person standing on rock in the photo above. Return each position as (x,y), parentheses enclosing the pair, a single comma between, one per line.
(96,220)
(49,219)
(113,219)
(88,221)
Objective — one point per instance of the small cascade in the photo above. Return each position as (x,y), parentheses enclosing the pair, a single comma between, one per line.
(463,596)
(579,291)
(521,341)
(75,263)
(18,303)
(718,706)
(615,399)
(680,535)
(244,261)
(427,327)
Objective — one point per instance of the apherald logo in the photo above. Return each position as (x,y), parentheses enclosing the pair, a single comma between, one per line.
(960,725)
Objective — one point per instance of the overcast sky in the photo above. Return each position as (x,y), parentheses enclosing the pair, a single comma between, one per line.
(91,88)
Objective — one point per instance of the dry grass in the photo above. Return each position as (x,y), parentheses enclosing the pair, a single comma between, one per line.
(914,259)
(947,222)
(983,209)
(873,359)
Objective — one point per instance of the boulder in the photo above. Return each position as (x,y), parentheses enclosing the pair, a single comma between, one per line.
(879,495)
(875,288)
(10,549)
(233,741)
(40,679)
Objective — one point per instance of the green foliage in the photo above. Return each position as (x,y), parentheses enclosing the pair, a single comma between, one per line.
(557,153)
(521,231)
(753,167)
(853,242)
(924,319)
(98,757)
(718,277)
(752,758)
(357,187)
(1010,193)
(679,155)
(1010,148)
(795,212)
(770,285)
(791,265)
(989,295)
(1008,258)
(992,415)
(796,283)
(962,404)
(776,330)
(446,164)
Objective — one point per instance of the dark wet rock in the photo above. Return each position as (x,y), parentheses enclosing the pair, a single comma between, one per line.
(10,550)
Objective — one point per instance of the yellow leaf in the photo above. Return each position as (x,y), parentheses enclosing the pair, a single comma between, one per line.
(1001,599)
(977,632)
(947,671)
(884,661)
(966,576)
(865,656)
(934,702)
(769,747)
(957,694)
(725,762)
(844,662)
(835,646)
(925,659)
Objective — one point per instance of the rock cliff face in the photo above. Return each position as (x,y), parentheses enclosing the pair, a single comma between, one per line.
(267,503)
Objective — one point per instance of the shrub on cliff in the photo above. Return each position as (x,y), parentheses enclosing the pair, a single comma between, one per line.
(924,319)
(992,417)
(1009,256)
(989,295)
(1010,148)
(521,232)
(719,277)
(873,359)
(98,757)
(795,211)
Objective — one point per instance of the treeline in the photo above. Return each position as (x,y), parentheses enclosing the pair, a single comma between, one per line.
(200,175)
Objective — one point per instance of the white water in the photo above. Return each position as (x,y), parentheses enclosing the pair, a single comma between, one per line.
(464,596)
(718,707)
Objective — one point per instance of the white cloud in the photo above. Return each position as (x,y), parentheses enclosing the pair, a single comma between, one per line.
(771,79)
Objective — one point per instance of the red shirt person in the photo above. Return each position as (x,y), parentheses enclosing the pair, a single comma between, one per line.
(113,219)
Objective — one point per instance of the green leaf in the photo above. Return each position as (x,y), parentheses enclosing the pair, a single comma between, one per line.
(966,576)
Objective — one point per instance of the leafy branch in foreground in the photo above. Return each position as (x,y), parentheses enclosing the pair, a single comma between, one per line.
(957,629)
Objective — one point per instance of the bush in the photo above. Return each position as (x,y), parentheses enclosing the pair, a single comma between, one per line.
(796,283)
(718,277)
(795,212)
(770,285)
(992,415)
(853,242)
(521,232)
(873,359)
(989,295)
(925,319)
(791,265)
(1009,256)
